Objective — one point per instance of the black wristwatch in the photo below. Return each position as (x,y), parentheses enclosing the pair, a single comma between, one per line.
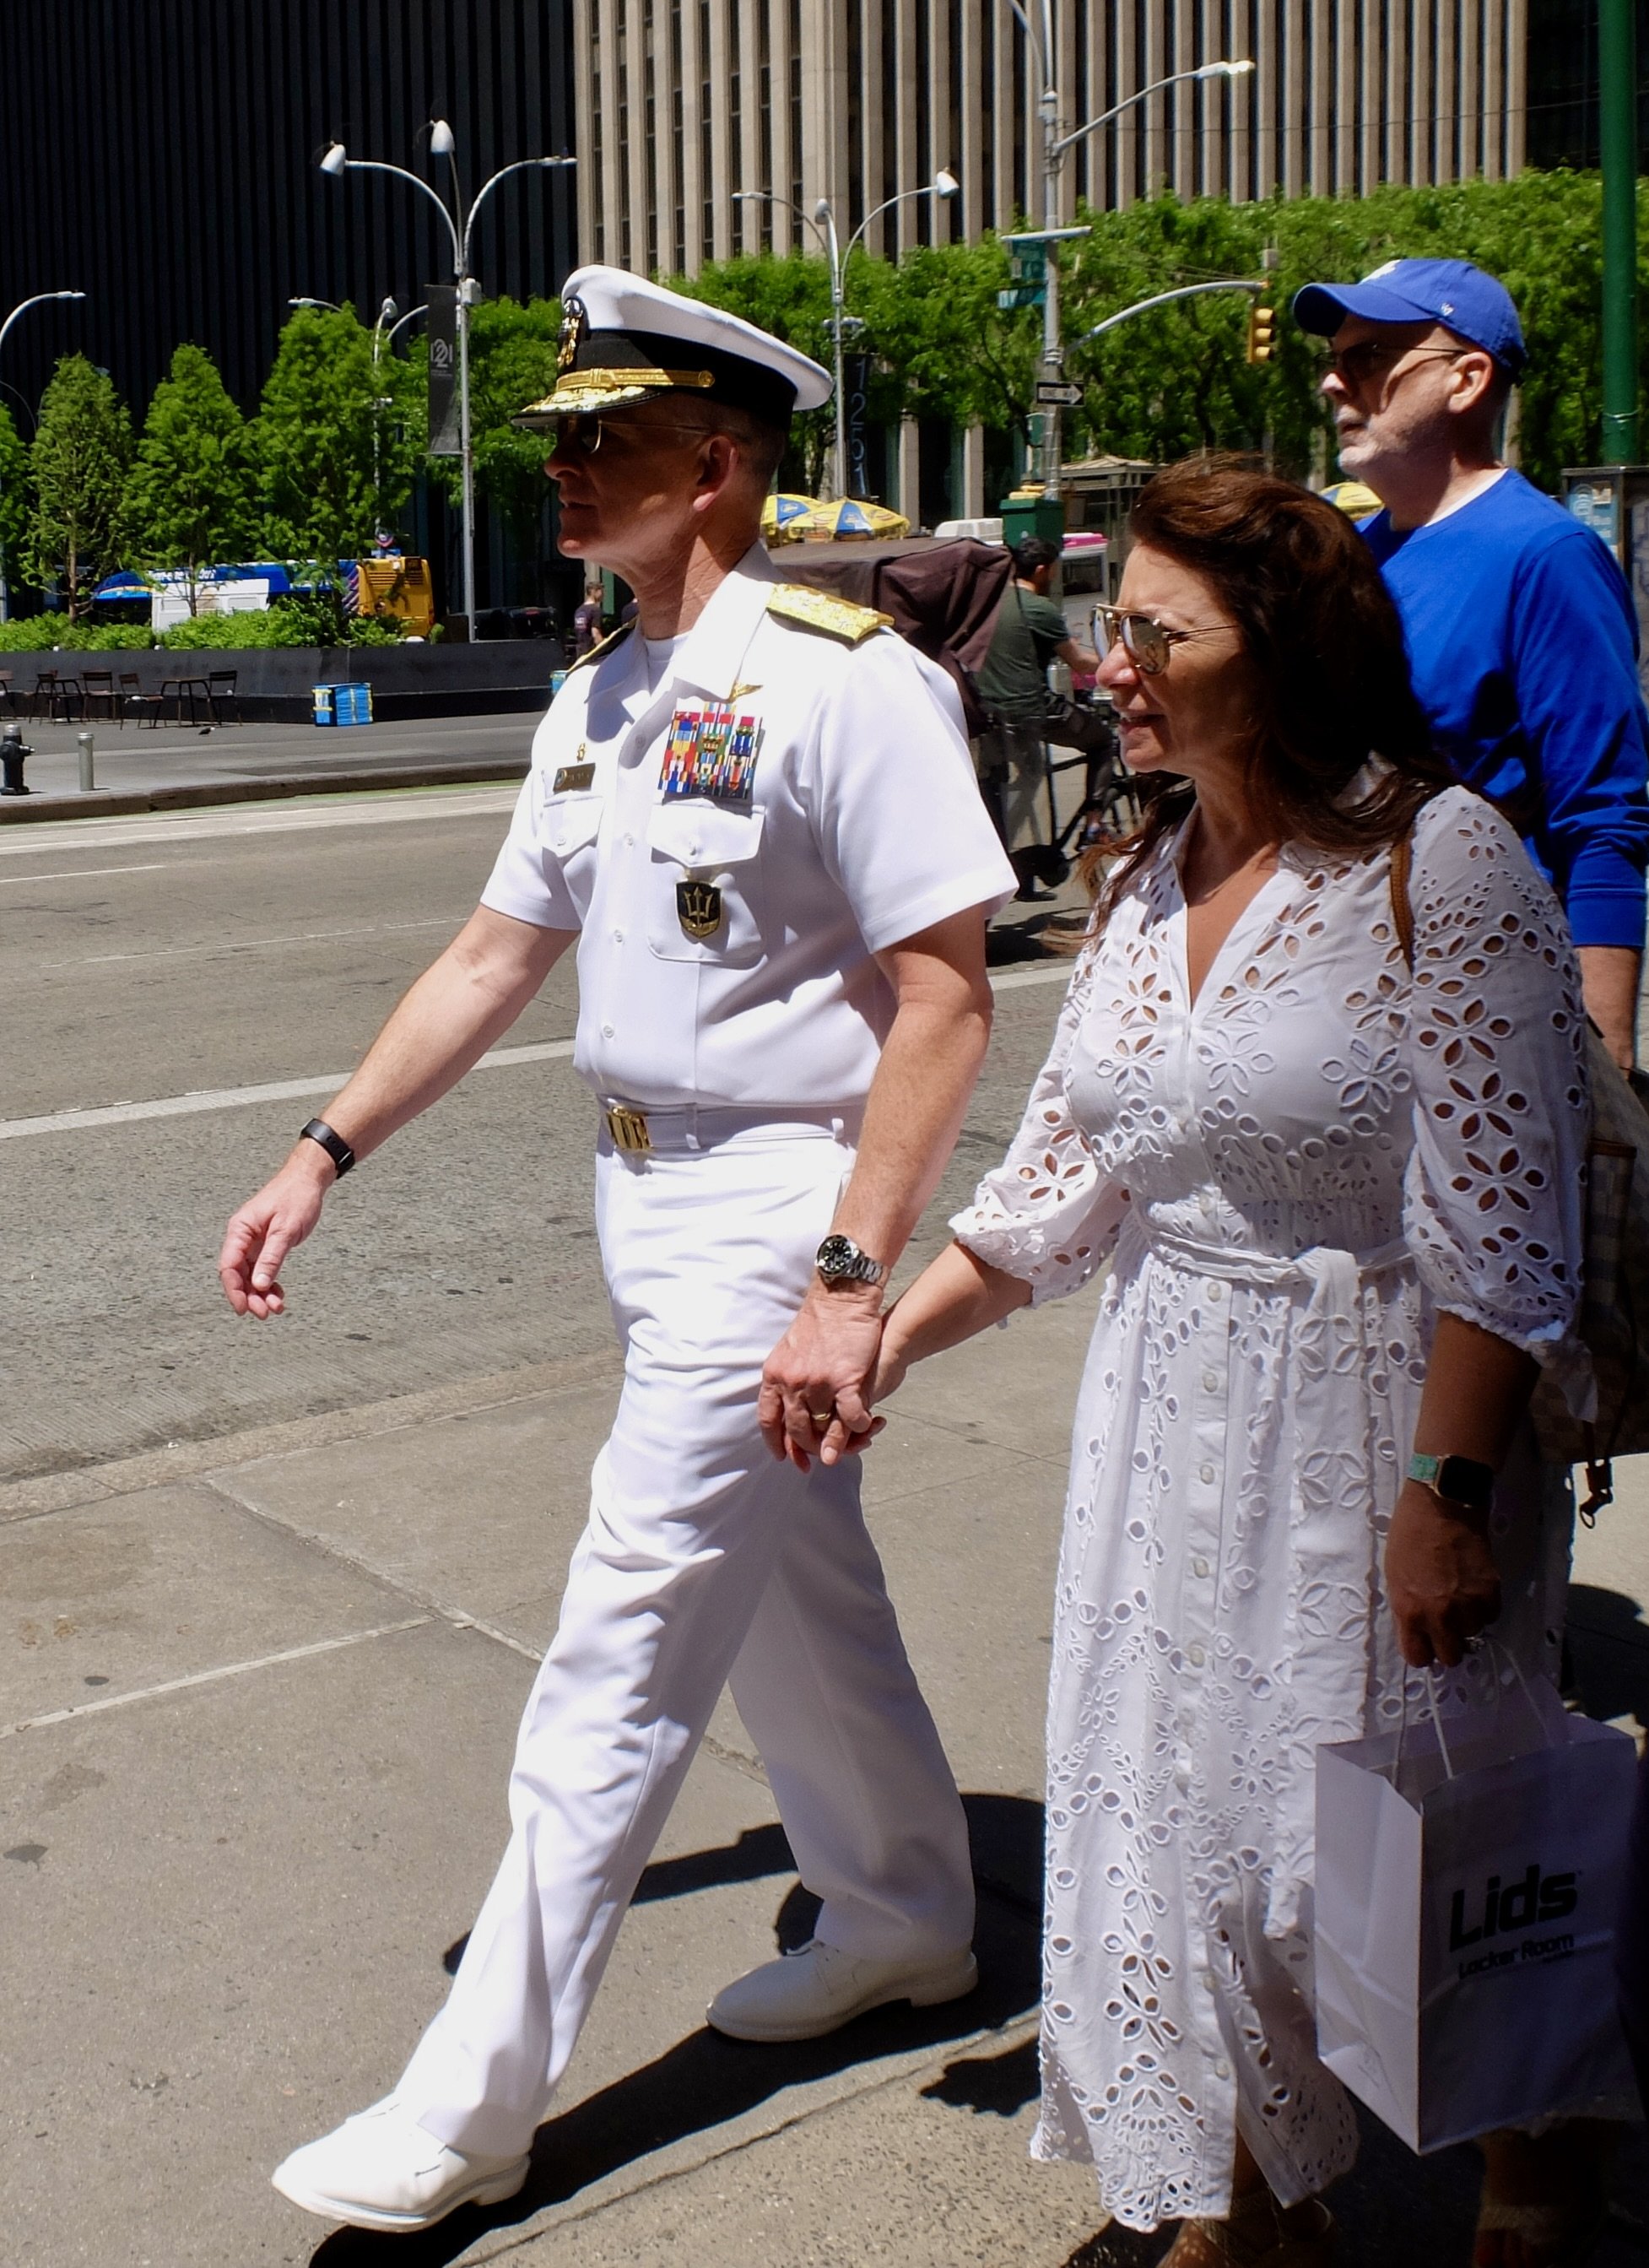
(335,1146)
(1460,1481)
(840,1261)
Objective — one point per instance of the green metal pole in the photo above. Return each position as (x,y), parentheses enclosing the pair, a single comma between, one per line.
(1618,124)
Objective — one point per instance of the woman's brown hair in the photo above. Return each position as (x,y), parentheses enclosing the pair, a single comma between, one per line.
(1330,673)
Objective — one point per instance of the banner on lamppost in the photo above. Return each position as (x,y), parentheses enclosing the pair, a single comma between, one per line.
(855,377)
(443,335)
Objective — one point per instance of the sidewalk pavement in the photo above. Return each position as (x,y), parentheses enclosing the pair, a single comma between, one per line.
(173,766)
(257,1699)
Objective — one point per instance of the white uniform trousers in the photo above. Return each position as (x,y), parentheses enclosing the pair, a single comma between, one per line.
(703,1560)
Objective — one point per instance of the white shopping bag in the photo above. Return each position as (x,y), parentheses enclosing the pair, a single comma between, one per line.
(1468,1879)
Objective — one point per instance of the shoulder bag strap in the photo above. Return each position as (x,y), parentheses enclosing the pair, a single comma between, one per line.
(1402,903)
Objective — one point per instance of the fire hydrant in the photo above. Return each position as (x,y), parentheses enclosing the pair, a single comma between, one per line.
(11,754)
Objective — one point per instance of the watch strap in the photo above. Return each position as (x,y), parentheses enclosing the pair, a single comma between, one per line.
(335,1146)
(840,1261)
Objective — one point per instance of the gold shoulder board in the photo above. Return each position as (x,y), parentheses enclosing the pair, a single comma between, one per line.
(817,610)
(601,647)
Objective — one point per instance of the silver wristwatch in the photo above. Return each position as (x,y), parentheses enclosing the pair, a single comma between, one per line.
(840,1261)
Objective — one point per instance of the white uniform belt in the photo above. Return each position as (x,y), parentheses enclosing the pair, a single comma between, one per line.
(639,1129)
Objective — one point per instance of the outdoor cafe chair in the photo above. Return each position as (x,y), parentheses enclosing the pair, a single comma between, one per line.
(57,698)
(97,686)
(148,705)
(222,695)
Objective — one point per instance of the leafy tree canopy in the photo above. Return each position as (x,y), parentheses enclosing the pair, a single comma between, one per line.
(79,458)
(336,439)
(189,498)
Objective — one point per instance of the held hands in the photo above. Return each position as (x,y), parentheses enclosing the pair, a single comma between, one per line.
(1440,1578)
(268,1227)
(820,1381)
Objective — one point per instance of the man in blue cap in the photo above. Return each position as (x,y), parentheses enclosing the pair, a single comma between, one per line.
(1521,632)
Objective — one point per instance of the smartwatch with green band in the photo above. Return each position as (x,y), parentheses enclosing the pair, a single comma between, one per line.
(1460,1481)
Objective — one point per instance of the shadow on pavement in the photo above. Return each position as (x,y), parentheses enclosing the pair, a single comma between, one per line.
(1609,1653)
(705,2081)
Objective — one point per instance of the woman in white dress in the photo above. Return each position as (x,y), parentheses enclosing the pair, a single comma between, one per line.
(1341,1198)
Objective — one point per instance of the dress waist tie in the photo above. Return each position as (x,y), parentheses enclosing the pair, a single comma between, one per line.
(1332,1508)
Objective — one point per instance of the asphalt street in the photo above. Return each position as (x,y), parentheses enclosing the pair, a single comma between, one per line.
(146,961)
(271,1596)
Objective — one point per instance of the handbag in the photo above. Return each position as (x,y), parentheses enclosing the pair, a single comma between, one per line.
(1614,1319)
(1467,1884)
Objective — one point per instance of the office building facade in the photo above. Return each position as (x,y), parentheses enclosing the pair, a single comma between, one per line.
(710,126)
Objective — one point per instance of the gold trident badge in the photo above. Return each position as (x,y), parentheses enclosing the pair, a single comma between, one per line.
(698,909)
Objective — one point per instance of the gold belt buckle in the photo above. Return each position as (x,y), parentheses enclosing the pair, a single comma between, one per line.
(629,1130)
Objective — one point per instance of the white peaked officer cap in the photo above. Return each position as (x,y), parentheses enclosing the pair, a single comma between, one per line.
(625,339)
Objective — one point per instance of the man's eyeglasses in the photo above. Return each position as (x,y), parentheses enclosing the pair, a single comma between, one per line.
(1147,643)
(1359,365)
(581,435)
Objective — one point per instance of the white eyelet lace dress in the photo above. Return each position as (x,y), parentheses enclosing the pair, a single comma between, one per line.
(1294,1175)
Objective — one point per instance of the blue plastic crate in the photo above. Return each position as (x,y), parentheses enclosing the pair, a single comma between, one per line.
(343,704)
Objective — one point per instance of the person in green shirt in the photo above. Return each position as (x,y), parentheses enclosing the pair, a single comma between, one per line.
(1031,632)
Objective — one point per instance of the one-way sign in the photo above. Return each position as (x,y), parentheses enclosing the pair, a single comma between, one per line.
(1054,390)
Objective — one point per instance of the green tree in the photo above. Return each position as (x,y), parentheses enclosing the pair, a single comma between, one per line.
(80,458)
(790,297)
(333,443)
(14,501)
(511,362)
(188,498)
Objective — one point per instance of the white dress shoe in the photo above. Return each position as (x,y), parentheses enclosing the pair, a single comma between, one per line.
(819,1988)
(381,2169)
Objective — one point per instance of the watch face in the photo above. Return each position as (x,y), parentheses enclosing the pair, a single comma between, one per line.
(836,1256)
(1462,1480)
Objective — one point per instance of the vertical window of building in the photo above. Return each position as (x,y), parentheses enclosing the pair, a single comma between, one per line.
(953,107)
(650,155)
(795,102)
(735,114)
(889,183)
(990,63)
(621,42)
(918,166)
(858,202)
(597,201)
(764,116)
(706,139)
(678,142)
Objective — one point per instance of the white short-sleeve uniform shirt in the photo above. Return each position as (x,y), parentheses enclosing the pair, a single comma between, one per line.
(861,826)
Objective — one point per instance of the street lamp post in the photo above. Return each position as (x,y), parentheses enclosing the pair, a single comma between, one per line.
(823,223)
(460,229)
(22,308)
(1054,148)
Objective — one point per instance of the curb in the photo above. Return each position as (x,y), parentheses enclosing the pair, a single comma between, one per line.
(128,802)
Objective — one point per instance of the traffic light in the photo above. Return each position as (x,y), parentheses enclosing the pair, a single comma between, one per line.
(1262,332)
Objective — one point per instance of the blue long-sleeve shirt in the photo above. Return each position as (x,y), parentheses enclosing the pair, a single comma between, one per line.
(1523,643)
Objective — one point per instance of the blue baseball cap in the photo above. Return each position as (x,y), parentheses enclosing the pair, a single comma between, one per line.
(1476,306)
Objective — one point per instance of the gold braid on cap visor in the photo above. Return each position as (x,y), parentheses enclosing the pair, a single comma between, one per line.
(578,390)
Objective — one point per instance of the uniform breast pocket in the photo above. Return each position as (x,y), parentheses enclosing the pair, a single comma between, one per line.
(571,823)
(705,887)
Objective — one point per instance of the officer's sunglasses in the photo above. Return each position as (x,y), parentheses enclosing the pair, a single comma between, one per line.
(1147,643)
(1369,359)
(581,435)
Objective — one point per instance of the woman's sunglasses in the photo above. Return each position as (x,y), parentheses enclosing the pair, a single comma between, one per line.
(1147,643)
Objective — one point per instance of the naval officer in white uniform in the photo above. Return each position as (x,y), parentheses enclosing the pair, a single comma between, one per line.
(755,817)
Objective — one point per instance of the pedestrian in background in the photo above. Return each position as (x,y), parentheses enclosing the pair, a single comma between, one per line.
(1031,634)
(587,621)
(1521,633)
(754,815)
(1301,1459)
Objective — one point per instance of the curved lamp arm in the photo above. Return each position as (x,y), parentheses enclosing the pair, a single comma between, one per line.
(772,197)
(1203,70)
(520,165)
(337,160)
(39,300)
(944,186)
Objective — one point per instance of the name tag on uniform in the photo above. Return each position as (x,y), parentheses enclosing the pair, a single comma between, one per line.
(711,752)
(571,779)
